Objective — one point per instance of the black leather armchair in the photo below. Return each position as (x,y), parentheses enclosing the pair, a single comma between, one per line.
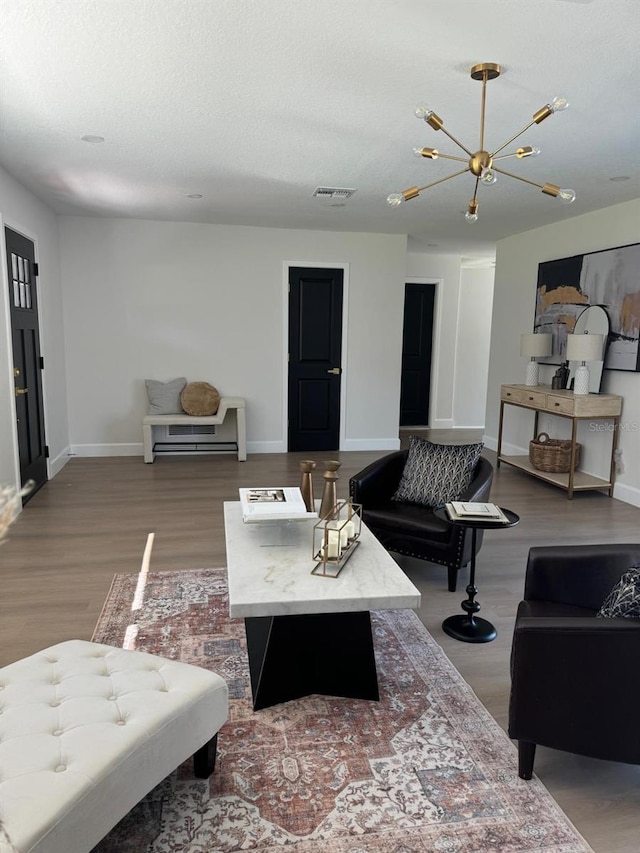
(411,529)
(574,677)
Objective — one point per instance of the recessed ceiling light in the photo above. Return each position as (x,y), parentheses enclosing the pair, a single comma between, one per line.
(620,178)
(195,195)
(90,137)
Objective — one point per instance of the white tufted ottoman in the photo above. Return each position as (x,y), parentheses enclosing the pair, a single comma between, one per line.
(87,730)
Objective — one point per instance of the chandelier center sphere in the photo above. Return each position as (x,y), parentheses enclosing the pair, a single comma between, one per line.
(480,161)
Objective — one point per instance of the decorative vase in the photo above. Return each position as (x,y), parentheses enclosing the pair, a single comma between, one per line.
(306,483)
(329,493)
(533,373)
(582,380)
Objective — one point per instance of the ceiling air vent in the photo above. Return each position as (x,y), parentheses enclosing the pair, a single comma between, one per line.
(335,193)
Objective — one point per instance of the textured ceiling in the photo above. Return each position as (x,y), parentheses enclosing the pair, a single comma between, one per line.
(254,103)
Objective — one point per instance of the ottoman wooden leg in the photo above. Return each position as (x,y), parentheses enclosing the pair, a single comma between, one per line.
(204,760)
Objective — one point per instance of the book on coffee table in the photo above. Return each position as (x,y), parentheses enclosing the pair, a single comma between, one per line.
(475,511)
(273,503)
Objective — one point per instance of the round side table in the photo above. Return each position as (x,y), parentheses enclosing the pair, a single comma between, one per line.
(467,626)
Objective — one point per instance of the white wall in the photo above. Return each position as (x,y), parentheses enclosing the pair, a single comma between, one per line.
(462,318)
(517,262)
(161,299)
(23,212)
(473,342)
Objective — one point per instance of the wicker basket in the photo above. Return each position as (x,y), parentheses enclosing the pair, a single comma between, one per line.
(552,455)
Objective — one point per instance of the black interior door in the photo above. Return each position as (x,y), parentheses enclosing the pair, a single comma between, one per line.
(417,340)
(27,363)
(315,347)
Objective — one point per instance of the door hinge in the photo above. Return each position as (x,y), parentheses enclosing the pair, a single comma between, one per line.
(46,451)
(41,360)
(36,268)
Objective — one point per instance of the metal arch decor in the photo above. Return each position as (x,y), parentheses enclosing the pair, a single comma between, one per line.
(609,278)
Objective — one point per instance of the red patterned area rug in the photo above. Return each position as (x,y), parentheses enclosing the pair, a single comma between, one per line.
(424,770)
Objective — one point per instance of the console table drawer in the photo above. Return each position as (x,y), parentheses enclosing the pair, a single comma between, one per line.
(523,397)
(564,405)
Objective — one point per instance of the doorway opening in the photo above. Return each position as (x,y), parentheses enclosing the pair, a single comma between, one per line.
(417,347)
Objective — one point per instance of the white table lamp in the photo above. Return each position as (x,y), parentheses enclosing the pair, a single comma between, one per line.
(534,346)
(584,348)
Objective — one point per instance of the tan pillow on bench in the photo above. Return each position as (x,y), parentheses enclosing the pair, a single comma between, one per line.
(200,399)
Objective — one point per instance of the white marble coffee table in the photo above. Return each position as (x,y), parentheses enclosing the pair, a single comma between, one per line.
(306,633)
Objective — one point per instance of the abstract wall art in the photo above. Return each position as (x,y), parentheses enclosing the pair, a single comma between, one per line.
(610,278)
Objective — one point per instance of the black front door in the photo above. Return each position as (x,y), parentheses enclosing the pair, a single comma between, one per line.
(417,336)
(27,363)
(315,346)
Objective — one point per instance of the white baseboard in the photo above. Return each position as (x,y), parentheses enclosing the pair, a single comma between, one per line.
(57,463)
(266,447)
(507,448)
(628,494)
(370,444)
(490,442)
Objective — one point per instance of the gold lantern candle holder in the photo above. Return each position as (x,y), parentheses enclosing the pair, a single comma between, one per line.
(335,538)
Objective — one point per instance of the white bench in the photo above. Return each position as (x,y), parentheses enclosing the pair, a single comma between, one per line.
(226,403)
(87,731)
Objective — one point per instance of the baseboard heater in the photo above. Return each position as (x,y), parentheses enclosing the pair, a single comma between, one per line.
(194,441)
(196,447)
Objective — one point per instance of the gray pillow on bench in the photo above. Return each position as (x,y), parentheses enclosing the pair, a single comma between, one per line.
(164,397)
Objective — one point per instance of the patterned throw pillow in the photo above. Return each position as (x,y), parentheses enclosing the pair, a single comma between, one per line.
(436,473)
(624,598)
(164,397)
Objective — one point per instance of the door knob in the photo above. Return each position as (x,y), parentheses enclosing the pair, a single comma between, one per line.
(21,391)
(335,370)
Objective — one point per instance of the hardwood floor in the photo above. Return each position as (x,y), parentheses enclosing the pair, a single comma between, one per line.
(92,521)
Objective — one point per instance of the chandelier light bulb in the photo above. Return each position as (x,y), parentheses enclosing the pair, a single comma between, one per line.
(567,196)
(472,210)
(488,177)
(395,199)
(422,112)
(558,104)
(431,153)
(527,151)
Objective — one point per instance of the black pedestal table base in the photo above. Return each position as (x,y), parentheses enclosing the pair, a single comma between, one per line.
(327,653)
(469,629)
(468,626)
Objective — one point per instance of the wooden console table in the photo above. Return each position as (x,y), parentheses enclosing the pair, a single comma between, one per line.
(565,404)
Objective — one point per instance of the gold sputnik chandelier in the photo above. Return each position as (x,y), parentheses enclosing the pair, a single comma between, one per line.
(481,163)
